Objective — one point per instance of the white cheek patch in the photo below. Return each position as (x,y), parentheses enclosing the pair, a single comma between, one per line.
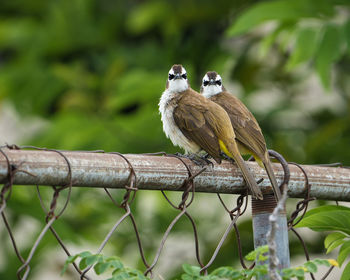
(218,77)
(171,72)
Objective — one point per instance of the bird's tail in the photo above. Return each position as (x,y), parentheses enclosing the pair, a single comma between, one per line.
(232,151)
(269,171)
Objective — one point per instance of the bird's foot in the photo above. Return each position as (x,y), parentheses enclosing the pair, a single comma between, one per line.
(196,159)
(226,157)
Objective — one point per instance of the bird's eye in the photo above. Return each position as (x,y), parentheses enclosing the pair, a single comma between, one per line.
(218,83)
(205,83)
(171,76)
(184,76)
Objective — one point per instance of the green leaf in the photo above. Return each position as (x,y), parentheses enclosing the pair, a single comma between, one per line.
(344,252)
(287,273)
(329,51)
(311,267)
(115,262)
(122,275)
(191,270)
(305,47)
(101,267)
(82,264)
(326,218)
(92,259)
(346,272)
(227,271)
(258,251)
(332,238)
(186,277)
(321,262)
(299,272)
(334,245)
(84,254)
(283,10)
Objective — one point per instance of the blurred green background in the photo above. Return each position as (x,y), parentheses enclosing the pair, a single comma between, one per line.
(88,74)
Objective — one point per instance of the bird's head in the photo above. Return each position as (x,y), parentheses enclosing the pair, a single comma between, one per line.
(211,84)
(177,79)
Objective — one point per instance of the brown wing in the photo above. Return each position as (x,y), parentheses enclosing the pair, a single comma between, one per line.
(194,120)
(245,126)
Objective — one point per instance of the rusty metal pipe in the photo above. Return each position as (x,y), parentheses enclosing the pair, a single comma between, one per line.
(160,172)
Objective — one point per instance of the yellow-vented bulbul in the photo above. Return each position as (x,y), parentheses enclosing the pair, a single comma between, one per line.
(249,137)
(195,123)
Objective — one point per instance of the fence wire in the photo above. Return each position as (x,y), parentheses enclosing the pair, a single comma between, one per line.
(52,213)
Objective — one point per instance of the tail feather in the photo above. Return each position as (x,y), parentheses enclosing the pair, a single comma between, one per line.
(248,177)
(232,151)
(275,186)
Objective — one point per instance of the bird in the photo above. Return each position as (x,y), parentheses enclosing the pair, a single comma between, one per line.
(248,134)
(197,124)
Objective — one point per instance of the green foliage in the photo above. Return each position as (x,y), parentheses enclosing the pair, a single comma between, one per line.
(321,41)
(229,273)
(282,10)
(258,254)
(102,265)
(332,218)
(329,217)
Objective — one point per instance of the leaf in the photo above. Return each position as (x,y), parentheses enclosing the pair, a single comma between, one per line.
(334,245)
(326,208)
(258,251)
(186,277)
(227,271)
(101,267)
(344,252)
(329,51)
(84,254)
(114,262)
(92,259)
(305,47)
(322,262)
(327,218)
(332,238)
(283,10)
(121,273)
(299,272)
(346,272)
(191,270)
(311,267)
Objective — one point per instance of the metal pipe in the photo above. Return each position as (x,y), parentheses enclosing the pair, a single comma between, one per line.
(261,210)
(161,172)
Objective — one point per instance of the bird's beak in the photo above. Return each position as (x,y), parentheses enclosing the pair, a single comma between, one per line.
(177,76)
(211,82)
